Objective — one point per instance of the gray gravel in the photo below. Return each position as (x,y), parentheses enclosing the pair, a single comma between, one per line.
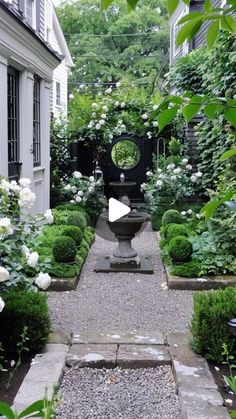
(122,301)
(125,394)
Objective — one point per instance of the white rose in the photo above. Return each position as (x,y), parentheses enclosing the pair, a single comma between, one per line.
(198,174)
(5,185)
(143,186)
(5,227)
(159,183)
(27,198)
(177,170)
(43,280)
(108,91)
(193,179)
(25,182)
(2,304)
(117,103)
(155,107)
(98,126)
(25,250)
(78,199)
(118,84)
(72,201)
(49,217)
(71,96)
(189,211)
(77,175)
(159,171)
(122,105)
(80,193)
(198,216)
(94,114)
(185,161)
(149,134)
(149,173)
(94,105)
(155,124)
(105,108)
(145,116)
(91,178)
(73,189)
(189,167)
(146,124)
(171,166)
(14,186)
(32,259)
(102,122)
(4,274)
(103,116)
(162,176)
(183,213)
(91,124)
(173,177)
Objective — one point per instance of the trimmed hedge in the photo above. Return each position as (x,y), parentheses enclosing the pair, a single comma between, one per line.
(74,232)
(212,311)
(172,216)
(189,269)
(174,230)
(64,249)
(77,219)
(180,249)
(24,309)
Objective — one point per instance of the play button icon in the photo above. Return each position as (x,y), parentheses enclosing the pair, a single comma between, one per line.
(117,210)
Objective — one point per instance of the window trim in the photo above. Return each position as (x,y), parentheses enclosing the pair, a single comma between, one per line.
(37,121)
(33,25)
(58,98)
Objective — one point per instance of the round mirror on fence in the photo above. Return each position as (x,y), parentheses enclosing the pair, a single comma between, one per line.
(125,154)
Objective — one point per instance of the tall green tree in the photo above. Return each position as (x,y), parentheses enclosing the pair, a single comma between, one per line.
(112,45)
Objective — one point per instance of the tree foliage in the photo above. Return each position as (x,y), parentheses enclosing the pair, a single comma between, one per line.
(102,57)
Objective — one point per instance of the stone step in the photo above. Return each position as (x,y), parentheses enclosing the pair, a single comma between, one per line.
(142,356)
(134,337)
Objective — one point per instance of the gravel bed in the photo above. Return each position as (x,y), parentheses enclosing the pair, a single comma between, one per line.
(122,301)
(111,394)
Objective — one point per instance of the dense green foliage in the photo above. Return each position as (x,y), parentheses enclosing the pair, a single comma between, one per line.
(100,56)
(171,216)
(24,309)
(189,269)
(212,311)
(180,249)
(174,230)
(76,219)
(74,232)
(64,249)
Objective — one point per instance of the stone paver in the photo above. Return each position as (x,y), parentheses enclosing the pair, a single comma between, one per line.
(93,356)
(142,356)
(136,337)
(44,373)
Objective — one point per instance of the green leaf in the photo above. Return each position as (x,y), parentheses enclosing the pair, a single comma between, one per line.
(6,411)
(172,6)
(232,414)
(190,110)
(212,33)
(187,2)
(210,208)
(188,30)
(131,4)
(105,4)
(211,109)
(228,23)
(207,5)
(227,154)
(230,115)
(190,16)
(165,117)
(231,205)
(35,408)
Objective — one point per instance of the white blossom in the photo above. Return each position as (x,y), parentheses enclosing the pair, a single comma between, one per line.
(171,166)
(103,116)
(73,189)
(105,108)
(2,304)
(71,96)
(173,177)
(149,173)
(25,250)
(146,124)
(177,170)
(122,105)
(32,259)
(185,161)
(80,193)
(5,185)
(189,211)
(14,186)
(4,274)
(193,179)
(155,124)
(183,213)
(143,186)
(78,199)
(94,105)
(198,174)
(145,116)
(94,114)
(90,189)
(67,187)
(149,134)
(161,176)
(108,91)
(118,84)
(159,184)
(117,103)
(159,170)
(25,182)
(49,216)
(98,126)
(91,178)
(102,122)
(155,107)
(27,198)
(5,227)
(77,175)
(189,167)
(43,280)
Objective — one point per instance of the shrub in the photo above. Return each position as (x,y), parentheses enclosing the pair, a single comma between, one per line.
(189,269)
(24,309)
(180,249)
(74,232)
(73,207)
(76,219)
(60,216)
(64,249)
(212,311)
(61,270)
(174,230)
(171,216)
(156,221)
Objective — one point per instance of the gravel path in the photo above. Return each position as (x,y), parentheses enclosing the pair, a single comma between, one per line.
(122,301)
(119,394)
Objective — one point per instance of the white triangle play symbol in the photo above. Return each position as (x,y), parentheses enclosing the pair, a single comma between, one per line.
(117,210)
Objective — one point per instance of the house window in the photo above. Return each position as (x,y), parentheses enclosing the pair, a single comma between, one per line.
(36,122)
(58,93)
(30,12)
(13,120)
